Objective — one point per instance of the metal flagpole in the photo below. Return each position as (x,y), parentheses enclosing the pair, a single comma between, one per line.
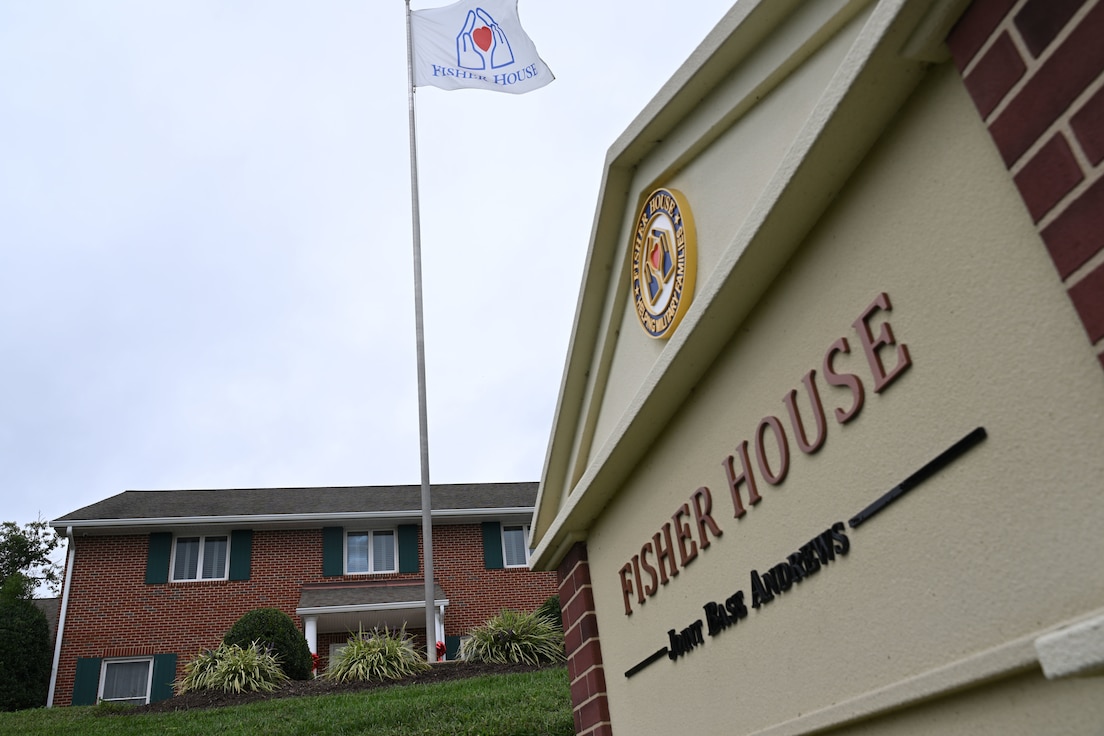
(423,422)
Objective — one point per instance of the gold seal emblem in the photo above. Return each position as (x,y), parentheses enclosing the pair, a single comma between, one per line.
(663,262)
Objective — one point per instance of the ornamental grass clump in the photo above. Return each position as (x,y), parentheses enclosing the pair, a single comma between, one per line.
(550,609)
(233,669)
(198,671)
(380,654)
(513,637)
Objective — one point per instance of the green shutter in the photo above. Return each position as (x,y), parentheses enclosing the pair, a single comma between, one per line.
(241,553)
(164,672)
(408,548)
(157,561)
(492,545)
(333,551)
(452,648)
(86,684)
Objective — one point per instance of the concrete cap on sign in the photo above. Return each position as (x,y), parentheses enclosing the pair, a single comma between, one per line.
(1073,650)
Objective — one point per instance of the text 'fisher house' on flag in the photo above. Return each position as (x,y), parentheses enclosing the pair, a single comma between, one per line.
(476,44)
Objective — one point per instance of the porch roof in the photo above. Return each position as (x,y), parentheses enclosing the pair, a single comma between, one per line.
(313,598)
(349,607)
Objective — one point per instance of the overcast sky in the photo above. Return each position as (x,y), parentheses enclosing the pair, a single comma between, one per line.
(206,276)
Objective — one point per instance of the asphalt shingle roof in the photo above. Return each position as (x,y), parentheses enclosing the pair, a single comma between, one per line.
(299,501)
(366,594)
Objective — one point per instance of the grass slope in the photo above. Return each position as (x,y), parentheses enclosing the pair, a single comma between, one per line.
(533,703)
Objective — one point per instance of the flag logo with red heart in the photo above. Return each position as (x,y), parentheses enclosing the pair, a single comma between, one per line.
(482,43)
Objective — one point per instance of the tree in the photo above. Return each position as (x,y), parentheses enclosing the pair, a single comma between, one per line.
(25,657)
(27,552)
(17,587)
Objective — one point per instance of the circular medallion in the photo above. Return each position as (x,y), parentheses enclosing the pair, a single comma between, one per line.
(664,260)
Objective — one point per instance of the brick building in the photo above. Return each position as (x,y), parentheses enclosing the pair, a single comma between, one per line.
(153,577)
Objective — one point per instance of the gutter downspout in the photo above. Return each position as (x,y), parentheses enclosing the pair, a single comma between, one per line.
(61,616)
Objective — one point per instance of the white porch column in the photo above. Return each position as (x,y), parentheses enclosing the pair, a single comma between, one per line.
(439,621)
(310,631)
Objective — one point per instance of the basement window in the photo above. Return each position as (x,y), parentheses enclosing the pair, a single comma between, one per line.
(126,681)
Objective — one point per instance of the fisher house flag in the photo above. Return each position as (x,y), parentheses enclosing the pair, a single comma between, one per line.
(475,44)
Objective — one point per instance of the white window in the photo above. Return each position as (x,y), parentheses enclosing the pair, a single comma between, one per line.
(200,558)
(515,545)
(374,551)
(126,680)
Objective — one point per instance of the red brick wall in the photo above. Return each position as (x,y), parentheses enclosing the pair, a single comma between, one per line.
(475,593)
(1035,70)
(113,613)
(584,651)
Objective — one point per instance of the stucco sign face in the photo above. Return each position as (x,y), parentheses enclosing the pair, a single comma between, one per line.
(663,262)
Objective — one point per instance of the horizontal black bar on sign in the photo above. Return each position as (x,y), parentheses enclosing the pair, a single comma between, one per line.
(660,654)
(945,458)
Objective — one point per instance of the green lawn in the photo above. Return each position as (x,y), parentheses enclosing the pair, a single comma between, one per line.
(523,704)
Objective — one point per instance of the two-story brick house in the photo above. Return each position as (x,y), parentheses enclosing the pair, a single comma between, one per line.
(153,577)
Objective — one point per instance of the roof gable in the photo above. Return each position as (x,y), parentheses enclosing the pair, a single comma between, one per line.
(826,79)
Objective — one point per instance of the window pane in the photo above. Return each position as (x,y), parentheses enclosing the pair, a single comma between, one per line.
(513,539)
(187,558)
(383,551)
(214,557)
(126,681)
(357,560)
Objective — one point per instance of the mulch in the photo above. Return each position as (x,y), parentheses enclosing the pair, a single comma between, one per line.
(440,672)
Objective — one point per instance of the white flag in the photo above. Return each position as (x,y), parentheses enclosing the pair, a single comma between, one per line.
(475,44)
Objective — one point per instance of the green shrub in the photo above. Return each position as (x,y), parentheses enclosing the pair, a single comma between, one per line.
(232,668)
(380,654)
(274,629)
(514,637)
(550,609)
(25,656)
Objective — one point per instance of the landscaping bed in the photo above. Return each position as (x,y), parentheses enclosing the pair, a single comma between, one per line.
(439,672)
